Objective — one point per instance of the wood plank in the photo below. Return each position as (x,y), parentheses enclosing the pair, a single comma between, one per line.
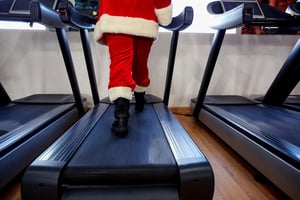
(234,177)
(12,191)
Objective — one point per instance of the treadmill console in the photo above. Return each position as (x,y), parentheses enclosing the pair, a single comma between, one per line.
(231,4)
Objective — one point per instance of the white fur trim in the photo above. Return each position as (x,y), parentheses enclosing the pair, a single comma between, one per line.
(97,32)
(140,88)
(164,15)
(125,25)
(122,91)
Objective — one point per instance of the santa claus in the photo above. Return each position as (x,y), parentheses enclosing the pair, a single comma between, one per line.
(128,28)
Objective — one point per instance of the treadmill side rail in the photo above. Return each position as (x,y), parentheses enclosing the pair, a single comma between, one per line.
(43,175)
(196,175)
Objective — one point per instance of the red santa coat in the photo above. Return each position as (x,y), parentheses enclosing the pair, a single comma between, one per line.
(134,17)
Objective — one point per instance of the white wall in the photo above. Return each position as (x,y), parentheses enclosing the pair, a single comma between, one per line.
(31,62)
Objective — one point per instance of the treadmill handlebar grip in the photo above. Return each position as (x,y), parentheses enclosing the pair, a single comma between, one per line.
(44,15)
(239,16)
(68,15)
(182,21)
(73,18)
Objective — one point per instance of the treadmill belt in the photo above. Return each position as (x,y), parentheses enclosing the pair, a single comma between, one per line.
(144,155)
(142,193)
(15,115)
(47,99)
(275,128)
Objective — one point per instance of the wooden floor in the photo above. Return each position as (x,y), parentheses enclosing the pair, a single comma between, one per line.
(234,178)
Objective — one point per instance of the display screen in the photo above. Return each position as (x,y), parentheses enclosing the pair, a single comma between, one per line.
(87,7)
(230,4)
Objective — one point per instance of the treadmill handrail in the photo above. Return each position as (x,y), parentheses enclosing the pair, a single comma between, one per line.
(44,15)
(83,23)
(178,23)
(243,15)
(72,17)
(75,19)
(49,17)
(181,21)
(61,19)
(239,16)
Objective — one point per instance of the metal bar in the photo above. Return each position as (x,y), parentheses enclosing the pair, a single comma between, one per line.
(211,63)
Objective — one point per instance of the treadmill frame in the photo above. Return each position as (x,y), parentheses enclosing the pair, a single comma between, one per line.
(21,146)
(278,171)
(44,175)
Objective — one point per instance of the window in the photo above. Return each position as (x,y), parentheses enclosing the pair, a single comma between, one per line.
(199,25)
(20,26)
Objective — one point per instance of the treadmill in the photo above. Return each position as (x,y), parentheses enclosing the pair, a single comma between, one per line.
(157,160)
(264,134)
(279,92)
(287,78)
(18,10)
(30,124)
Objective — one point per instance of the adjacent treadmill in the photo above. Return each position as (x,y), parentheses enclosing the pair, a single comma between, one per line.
(30,124)
(279,92)
(157,160)
(264,133)
(18,10)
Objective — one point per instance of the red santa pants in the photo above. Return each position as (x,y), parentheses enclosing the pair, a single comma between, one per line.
(129,64)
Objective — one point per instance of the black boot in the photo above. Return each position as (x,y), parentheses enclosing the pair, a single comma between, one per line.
(120,125)
(139,101)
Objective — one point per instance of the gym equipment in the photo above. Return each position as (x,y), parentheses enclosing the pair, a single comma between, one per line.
(263,133)
(30,124)
(157,160)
